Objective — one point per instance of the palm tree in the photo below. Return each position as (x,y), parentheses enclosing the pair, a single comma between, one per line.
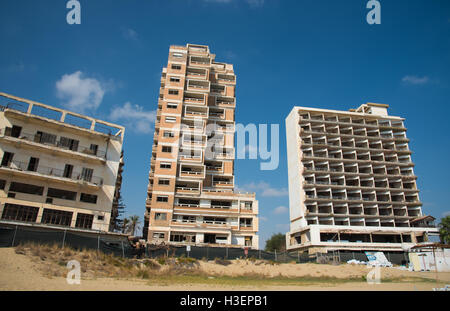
(444,230)
(134,224)
(125,225)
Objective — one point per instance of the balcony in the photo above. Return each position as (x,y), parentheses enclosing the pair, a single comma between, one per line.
(223,182)
(217,89)
(193,98)
(23,168)
(37,140)
(227,79)
(196,73)
(198,85)
(196,112)
(216,114)
(199,61)
(225,101)
(190,171)
(187,188)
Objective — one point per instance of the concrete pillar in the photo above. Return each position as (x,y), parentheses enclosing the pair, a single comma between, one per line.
(63,116)
(30,107)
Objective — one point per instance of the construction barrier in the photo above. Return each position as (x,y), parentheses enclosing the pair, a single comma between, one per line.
(119,245)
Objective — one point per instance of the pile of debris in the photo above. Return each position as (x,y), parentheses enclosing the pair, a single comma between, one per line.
(375,259)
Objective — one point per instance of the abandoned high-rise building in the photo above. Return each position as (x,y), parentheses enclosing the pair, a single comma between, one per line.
(191,197)
(58,168)
(351,181)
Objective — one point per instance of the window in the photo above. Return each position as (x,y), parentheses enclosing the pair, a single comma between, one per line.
(170,119)
(33,164)
(68,171)
(20,212)
(56,217)
(160,216)
(245,222)
(178,55)
(26,188)
(86,174)
(172,106)
(84,221)
(173,92)
(166,149)
(162,198)
(7,158)
(2,184)
(247,205)
(99,217)
(168,134)
(174,79)
(88,198)
(68,143)
(93,149)
(45,138)
(158,235)
(13,131)
(176,67)
(61,194)
(165,182)
(165,165)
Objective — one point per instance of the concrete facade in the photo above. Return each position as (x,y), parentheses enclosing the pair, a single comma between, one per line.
(351,181)
(191,197)
(58,167)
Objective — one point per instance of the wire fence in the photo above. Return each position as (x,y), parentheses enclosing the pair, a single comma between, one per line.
(119,245)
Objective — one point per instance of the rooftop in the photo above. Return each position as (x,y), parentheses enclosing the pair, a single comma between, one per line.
(28,108)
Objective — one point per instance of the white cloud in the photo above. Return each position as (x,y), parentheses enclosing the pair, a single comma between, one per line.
(280,210)
(134,117)
(130,34)
(262,218)
(415,80)
(264,189)
(80,93)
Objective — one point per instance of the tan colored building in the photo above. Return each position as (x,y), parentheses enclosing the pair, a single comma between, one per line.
(351,181)
(58,168)
(191,197)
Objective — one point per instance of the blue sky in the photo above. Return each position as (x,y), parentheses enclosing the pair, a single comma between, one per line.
(307,53)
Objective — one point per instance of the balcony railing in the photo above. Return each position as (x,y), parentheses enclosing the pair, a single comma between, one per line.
(35,138)
(187,189)
(53,172)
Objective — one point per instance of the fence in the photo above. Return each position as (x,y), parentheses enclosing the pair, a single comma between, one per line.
(109,244)
(118,245)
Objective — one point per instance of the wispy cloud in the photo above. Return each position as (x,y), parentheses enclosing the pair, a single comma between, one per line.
(280,210)
(262,218)
(130,34)
(415,80)
(134,117)
(264,189)
(445,214)
(80,93)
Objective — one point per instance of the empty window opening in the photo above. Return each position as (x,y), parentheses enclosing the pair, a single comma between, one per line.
(56,217)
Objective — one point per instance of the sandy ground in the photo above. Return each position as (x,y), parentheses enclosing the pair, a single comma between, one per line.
(19,272)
